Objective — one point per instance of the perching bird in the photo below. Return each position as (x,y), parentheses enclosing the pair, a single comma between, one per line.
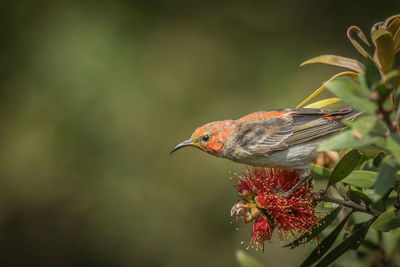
(286,138)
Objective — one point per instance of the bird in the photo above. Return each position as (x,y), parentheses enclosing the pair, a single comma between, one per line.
(282,138)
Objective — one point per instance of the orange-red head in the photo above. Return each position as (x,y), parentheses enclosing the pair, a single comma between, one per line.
(210,137)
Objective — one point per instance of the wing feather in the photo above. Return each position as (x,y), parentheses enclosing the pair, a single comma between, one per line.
(262,134)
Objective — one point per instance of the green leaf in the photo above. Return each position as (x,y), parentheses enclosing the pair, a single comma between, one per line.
(323,223)
(391,75)
(337,61)
(384,48)
(363,179)
(352,94)
(351,242)
(396,41)
(394,28)
(368,165)
(325,245)
(378,159)
(394,24)
(360,34)
(393,145)
(369,124)
(362,79)
(371,245)
(322,88)
(319,172)
(341,140)
(372,73)
(360,195)
(345,166)
(246,261)
(383,90)
(387,174)
(326,103)
(346,140)
(387,221)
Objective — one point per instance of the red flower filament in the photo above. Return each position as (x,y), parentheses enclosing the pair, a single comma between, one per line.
(264,206)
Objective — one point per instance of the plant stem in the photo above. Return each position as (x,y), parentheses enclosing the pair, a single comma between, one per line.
(385,115)
(323,196)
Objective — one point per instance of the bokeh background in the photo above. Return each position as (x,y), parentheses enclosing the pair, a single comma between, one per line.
(94,95)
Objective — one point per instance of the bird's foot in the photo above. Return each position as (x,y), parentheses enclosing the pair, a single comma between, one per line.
(304,175)
(278,190)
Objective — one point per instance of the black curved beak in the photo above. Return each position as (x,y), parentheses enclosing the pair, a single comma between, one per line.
(183,144)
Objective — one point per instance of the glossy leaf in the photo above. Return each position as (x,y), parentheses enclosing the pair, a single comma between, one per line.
(246,260)
(378,159)
(322,88)
(391,75)
(325,245)
(362,79)
(394,28)
(372,73)
(387,221)
(360,34)
(315,231)
(363,179)
(319,172)
(367,165)
(337,61)
(325,104)
(351,93)
(351,242)
(385,48)
(345,166)
(392,22)
(360,195)
(370,124)
(393,145)
(383,90)
(396,41)
(387,174)
(346,140)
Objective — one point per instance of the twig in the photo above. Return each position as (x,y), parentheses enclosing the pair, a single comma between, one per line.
(323,196)
(383,113)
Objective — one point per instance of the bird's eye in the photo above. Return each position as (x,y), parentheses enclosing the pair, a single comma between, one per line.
(206,138)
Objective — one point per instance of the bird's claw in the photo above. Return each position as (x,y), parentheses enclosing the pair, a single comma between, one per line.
(279,191)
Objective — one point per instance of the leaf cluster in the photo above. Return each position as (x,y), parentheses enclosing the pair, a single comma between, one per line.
(366,178)
(364,186)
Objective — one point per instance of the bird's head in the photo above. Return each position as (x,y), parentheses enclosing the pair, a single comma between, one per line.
(210,137)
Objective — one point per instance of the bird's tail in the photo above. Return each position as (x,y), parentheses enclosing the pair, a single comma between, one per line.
(348,113)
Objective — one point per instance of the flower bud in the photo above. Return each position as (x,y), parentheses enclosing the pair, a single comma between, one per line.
(249,218)
(245,194)
(255,212)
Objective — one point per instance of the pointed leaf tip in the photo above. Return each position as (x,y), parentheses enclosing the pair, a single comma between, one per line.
(351,242)
(345,166)
(384,49)
(322,88)
(315,231)
(387,221)
(337,61)
(361,35)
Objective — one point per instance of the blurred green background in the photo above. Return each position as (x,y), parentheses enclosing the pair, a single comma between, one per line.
(94,95)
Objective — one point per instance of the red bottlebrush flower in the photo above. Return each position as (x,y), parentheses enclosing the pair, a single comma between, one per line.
(261,231)
(267,209)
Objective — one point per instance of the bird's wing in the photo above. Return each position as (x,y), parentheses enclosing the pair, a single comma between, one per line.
(262,132)
(264,135)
